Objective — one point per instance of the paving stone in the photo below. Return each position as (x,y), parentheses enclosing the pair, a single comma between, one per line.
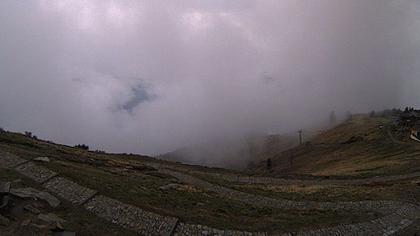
(69,190)
(35,172)
(9,161)
(131,217)
(167,187)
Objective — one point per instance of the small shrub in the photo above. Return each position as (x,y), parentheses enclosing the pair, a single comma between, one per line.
(82,146)
(269,164)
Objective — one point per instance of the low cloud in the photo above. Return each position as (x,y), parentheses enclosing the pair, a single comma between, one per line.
(153,76)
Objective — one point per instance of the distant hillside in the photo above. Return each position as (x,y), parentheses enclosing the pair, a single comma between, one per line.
(236,155)
(96,193)
(361,145)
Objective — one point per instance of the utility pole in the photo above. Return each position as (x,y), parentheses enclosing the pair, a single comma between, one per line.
(300,137)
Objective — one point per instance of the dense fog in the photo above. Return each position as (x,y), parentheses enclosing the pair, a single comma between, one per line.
(153,76)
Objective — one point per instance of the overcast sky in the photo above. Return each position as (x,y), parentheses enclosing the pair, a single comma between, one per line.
(152,76)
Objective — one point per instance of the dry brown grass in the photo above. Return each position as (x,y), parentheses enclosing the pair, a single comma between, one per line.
(359,147)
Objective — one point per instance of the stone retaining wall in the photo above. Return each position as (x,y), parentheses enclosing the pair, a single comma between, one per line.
(69,190)
(35,172)
(130,217)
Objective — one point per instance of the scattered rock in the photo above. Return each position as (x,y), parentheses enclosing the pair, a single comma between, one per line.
(4,201)
(169,187)
(36,194)
(64,233)
(353,139)
(38,226)
(4,187)
(59,227)
(42,159)
(4,221)
(117,171)
(4,191)
(32,209)
(141,167)
(25,222)
(51,218)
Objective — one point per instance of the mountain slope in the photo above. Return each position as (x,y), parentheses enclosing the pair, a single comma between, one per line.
(361,146)
(138,193)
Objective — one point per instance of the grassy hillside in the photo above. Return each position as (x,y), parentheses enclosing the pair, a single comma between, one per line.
(126,178)
(361,146)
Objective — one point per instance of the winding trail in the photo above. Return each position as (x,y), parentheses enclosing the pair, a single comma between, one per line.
(398,215)
(249,179)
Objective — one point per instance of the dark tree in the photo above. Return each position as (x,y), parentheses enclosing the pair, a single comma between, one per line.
(269,164)
(333,118)
(349,116)
(82,146)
